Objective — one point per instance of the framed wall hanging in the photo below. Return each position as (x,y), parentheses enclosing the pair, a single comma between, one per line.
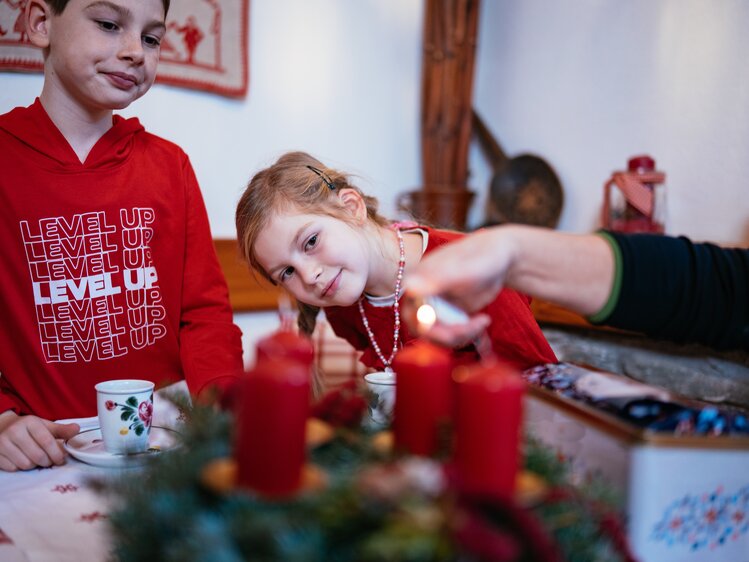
(205,46)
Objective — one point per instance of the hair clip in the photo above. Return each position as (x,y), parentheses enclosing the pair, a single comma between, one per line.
(323,177)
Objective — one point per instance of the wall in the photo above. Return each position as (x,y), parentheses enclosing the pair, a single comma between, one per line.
(587,84)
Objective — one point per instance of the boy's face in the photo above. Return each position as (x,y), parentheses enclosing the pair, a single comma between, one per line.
(103,54)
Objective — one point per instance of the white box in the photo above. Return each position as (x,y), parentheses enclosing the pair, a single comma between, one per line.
(686,498)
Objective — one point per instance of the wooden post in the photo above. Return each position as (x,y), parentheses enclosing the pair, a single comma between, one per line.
(450,28)
(447,89)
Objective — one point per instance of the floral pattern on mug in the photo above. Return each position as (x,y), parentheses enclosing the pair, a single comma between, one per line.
(145,412)
(139,414)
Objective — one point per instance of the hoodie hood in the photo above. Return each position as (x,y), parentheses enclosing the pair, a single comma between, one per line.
(33,127)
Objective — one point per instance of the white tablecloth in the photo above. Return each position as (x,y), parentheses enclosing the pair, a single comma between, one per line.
(52,514)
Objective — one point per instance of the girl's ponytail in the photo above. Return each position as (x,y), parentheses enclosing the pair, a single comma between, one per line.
(307,318)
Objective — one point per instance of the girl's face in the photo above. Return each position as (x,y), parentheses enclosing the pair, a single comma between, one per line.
(321,260)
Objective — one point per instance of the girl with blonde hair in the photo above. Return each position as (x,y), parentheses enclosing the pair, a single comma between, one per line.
(307,228)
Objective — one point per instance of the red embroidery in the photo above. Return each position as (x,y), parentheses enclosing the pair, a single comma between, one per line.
(93,516)
(64,488)
(205,45)
(5,539)
(711,516)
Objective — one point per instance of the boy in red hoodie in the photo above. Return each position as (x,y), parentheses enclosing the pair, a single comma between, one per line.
(108,268)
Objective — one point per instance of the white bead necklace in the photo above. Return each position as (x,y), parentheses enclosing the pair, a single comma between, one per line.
(396,309)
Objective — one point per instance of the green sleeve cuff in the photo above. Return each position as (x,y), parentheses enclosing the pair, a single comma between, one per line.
(600,316)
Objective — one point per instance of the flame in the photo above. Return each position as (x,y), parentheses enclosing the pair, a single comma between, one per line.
(426,316)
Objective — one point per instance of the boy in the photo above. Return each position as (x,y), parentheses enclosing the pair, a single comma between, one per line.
(108,269)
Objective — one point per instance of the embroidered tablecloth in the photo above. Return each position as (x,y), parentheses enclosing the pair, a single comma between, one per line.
(52,514)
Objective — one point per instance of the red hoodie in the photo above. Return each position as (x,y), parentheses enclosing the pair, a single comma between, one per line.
(108,269)
(514,332)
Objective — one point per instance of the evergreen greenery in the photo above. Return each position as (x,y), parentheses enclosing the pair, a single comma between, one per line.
(375,507)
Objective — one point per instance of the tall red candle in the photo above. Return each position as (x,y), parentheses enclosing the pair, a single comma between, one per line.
(288,344)
(270,446)
(488,424)
(281,344)
(423,397)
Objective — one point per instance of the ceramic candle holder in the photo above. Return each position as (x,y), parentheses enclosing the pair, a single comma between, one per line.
(125,409)
(382,397)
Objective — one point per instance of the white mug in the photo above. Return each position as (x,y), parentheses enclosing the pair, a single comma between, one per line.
(125,409)
(382,397)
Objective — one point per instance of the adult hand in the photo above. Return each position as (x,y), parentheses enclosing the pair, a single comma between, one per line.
(29,441)
(573,270)
(468,272)
(459,335)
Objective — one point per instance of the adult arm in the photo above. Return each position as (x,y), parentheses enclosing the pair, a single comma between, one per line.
(576,271)
(666,287)
(678,290)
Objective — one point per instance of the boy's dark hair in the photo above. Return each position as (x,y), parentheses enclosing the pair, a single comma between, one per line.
(59,5)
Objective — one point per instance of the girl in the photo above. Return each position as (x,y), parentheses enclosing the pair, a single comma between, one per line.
(306,228)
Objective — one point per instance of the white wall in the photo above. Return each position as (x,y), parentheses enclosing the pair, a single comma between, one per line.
(589,83)
(584,83)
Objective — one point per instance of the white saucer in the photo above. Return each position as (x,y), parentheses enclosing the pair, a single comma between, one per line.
(88,447)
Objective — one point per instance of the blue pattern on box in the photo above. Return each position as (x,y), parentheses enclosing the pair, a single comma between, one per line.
(705,521)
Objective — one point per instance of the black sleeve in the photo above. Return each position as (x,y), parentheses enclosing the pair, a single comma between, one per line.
(675,289)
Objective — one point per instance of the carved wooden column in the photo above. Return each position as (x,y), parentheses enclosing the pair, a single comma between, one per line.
(450,28)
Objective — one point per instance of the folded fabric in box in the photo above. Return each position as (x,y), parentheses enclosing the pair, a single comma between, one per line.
(645,406)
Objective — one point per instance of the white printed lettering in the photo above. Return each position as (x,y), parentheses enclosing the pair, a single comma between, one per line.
(86,308)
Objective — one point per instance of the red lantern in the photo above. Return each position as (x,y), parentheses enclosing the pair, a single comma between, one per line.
(635,200)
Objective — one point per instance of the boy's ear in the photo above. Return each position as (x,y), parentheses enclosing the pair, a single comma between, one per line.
(353,202)
(37,17)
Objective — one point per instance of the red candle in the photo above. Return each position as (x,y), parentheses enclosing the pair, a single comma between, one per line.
(270,446)
(282,344)
(488,422)
(288,344)
(423,397)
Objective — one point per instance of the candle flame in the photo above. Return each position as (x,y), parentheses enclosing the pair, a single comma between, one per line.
(426,316)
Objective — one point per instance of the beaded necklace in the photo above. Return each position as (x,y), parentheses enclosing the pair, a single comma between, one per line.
(396,309)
